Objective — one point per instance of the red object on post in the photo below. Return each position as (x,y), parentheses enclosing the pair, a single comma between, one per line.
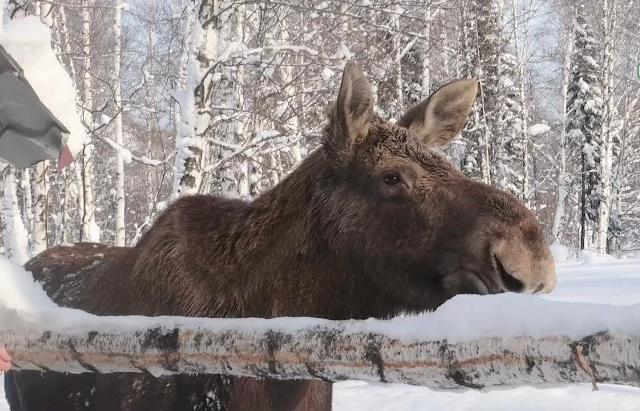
(65,158)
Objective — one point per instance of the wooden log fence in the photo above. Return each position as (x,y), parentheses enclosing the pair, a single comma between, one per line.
(327,350)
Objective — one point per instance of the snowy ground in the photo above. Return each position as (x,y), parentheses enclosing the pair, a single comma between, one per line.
(599,280)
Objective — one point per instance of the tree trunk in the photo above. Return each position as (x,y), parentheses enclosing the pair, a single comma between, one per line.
(15,236)
(606,162)
(117,127)
(425,77)
(559,218)
(40,189)
(189,145)
(90,230)
(27,199)
(325,350)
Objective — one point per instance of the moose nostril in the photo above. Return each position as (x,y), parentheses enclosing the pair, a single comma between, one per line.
(539,288)
(509,282)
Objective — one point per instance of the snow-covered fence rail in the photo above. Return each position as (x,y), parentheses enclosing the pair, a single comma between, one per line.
(311,349)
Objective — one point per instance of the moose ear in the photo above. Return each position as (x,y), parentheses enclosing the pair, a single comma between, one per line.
(352,112)
(438,119)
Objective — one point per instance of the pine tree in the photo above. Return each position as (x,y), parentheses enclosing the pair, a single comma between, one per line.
(508,144)
(483,39)
(584,124)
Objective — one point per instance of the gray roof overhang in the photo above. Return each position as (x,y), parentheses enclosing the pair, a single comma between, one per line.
(29,132)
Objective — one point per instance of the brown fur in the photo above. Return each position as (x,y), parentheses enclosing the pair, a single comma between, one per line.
(335,240)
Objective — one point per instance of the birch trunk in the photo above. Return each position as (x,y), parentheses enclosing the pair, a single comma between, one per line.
(398,50)
(604,208)
(90,230)
(189,145)
(73,193)
(227,34)
(425,79)
(27,199)
(330,353)
(15,235)
(120,233)
(40,198)
(40,189)
(559,218)
(521,53)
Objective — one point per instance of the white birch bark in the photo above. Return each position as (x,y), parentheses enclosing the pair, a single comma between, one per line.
(72,196)
(622,178)
(483,144)
(426,59)
(560,215)
(40,198)
(120,234)
(329,352)
(40,187)
(228,100)
(520,43)
(606,160)
(27,199)
(90,230)
(189,145)
(15,236)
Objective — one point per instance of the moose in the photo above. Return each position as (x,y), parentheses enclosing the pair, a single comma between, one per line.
(373,223)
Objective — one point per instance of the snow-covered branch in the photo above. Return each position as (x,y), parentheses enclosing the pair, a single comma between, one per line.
(129,156)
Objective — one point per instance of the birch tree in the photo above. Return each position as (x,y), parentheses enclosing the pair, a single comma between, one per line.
(15,236)
(606,147)
(189,141)
(39,230)
(560,215)
(90,230)
(120,233)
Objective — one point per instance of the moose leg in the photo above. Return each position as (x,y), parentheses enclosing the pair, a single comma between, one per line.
(272,395)
(49,391)
(11,393)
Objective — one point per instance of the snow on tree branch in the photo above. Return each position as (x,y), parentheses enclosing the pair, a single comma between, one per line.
(129,156)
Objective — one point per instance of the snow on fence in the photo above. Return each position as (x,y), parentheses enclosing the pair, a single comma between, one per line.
(304,348)
(471,341)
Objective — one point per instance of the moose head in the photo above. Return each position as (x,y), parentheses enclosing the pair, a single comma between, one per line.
(394,203)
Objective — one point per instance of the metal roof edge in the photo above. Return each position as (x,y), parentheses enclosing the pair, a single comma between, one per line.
(20,73)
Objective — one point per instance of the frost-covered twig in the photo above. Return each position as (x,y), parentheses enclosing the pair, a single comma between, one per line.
(129,156)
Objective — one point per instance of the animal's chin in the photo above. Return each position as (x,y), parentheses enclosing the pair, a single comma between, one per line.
(480,284)
(470,282)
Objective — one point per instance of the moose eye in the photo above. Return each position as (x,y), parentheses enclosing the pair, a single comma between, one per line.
(391,179)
